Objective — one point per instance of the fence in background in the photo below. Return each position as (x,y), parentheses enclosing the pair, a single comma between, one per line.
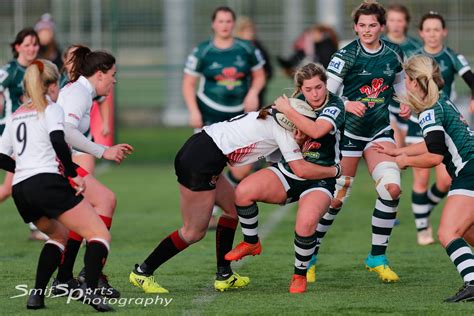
(151,38)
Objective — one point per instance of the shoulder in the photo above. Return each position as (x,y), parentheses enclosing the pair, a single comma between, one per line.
(7,70)
(334,107)
(202,48)
(395,48)
(53,109)
(248,46)
(349,50)
(73,91)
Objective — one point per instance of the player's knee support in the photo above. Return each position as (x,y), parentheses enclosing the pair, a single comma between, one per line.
(387,180)
(343,189)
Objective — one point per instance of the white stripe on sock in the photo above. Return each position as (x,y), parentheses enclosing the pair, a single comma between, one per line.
(384,208)
(250,231)
(384,223)
(460,252)
(465,264)
(380,240)
(248,221)
(420,208)
(304,252)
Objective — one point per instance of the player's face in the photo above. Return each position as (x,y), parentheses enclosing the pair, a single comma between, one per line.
(106,81)
(433,33)
(368,30)
(411,85)
(223,24)
(314,91)
(28,49)
(396,23)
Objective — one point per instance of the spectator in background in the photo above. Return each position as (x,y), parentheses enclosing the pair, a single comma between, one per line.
(245,29)
(316,44)
(49,48)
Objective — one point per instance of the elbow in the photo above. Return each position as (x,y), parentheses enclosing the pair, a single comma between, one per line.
(298,170)
(437,159)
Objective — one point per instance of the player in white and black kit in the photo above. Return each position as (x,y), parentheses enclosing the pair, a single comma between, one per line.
(240,141)
(35,136)
(92,74)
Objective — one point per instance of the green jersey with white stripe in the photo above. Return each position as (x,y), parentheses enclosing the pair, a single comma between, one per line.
(367,77)
(11,86)
(225,75)
(444,116)
(325,151)
(450,64)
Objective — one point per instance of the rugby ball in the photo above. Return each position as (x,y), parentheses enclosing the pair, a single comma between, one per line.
(300,106)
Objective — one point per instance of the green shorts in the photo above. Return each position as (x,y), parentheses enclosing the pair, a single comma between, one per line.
(352,147)
(414,134)
(296,187)
(463,184)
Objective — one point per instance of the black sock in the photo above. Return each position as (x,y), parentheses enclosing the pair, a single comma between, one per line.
(65,269)
(94,260)
(168,248)
(225,233)
(248,218)
(48,262)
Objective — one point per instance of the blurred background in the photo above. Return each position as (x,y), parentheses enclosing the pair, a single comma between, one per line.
(151,39)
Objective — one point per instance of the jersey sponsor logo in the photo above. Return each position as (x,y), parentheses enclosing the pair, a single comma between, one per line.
(336,65)
(426,118)
(442,65)
(332,111)
(310,148)
(230,78)
(373,92)
(192,62)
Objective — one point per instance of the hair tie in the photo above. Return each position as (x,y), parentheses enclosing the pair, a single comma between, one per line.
(40,65)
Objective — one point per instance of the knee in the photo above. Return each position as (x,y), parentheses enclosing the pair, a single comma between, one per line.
(243,194)
(393,190)
(60,235)
(192,236)
(100,232)
(108,201)
(446,235)
(305,228)
(5,192)
(336,203)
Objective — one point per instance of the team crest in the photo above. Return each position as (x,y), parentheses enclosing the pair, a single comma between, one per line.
(373,92)
(389,72)
(230,78)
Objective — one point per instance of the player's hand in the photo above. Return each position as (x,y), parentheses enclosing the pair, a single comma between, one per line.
(405,111)
(355,107)
(117,152)
(401,161)
(384,149)
(300,137)
(195,119)
(77,184)
(282,104)
(251,101)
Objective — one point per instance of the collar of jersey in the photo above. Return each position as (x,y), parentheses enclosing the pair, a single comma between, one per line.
(83,80)
(382,45)
(433,55)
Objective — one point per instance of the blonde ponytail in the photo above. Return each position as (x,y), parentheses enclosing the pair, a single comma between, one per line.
(38,77)
(425,71)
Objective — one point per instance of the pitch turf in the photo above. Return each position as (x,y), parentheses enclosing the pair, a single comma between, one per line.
(148,211)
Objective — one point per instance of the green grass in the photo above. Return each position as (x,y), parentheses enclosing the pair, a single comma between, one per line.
(148,210)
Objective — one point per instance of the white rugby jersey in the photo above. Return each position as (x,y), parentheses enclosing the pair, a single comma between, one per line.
(26,136)
(245,139)
(76,100)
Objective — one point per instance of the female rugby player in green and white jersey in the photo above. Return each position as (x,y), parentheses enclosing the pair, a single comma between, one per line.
(432,30)
(283,186)
(448,140)
(230,74)
(367,71)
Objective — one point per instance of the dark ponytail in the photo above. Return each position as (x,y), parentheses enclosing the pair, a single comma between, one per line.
(86,62)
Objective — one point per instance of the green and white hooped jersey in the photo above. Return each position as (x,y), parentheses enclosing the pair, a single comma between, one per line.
(324,151)
(444,116)
(450,64)
(11,85)
(367,77)
(225,74)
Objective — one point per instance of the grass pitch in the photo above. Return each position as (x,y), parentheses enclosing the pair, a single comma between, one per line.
(148,210)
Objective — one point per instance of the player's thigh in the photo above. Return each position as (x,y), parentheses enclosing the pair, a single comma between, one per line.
(457,218)
(54,229)
(349,166)
(263,185)
(101,197)
(311,207)
(373,158)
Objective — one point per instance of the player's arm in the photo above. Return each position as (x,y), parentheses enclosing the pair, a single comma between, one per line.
(435,148)
(314,129)
(311,171)
(189,95)
(257,84)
